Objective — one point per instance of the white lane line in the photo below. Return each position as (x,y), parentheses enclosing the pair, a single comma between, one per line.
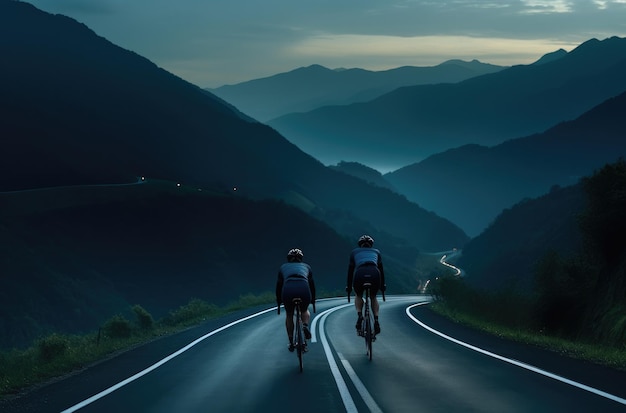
(348,402)
(360,387)
(515,362)
(159,363)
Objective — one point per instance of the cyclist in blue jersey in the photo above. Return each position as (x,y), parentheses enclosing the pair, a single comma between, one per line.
(295,280)
(366,266)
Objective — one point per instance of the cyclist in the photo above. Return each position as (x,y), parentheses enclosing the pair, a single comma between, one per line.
(295,280)
(366,265)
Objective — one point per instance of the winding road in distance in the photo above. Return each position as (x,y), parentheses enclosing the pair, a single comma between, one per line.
(422,363)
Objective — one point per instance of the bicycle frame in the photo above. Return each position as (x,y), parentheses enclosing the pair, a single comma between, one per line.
(368,321)
(367,327)
(298,334)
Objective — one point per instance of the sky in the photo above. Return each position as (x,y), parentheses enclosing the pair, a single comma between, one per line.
(217,42)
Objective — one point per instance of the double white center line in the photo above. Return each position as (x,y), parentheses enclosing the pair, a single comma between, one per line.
(346,397)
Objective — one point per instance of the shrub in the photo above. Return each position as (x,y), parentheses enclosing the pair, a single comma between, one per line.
(118,327)
(144,318)
(52,347)
(192,311)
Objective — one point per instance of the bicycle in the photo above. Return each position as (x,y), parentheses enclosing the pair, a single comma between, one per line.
(367,329)
(298,338)
(368,322)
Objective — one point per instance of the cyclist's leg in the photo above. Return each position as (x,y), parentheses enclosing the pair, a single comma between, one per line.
(305,295)
(373,299)
(288,295)
(375,306)
(358,292)
(289,324)
(358,299)
(375,303)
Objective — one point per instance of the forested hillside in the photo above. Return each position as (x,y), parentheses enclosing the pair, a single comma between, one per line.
(566,253)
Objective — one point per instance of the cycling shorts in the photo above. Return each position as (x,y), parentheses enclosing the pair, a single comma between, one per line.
(367,273)
(296,288)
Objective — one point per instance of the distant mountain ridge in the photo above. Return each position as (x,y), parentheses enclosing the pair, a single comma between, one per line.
(472,184)
(308,88)
(363,172)
(411,123)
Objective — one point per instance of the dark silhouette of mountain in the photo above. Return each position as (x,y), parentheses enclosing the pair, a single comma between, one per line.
(78,111)
(411,123)
(308,88)
(471,184)
(505,254)
(74,257)
(550,57)
(565,252)
(363,172)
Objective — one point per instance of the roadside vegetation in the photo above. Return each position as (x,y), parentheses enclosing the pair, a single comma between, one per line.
(577,305)
(508,315)
(59,354)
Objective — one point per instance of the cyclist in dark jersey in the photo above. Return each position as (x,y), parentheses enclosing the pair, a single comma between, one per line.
(366,265)
(295,280)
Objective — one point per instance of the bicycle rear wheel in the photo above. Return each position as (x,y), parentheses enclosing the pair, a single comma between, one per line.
(368,334)
(299,337)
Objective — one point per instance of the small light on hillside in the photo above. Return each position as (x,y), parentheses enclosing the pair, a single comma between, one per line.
(235,188)
(178,184)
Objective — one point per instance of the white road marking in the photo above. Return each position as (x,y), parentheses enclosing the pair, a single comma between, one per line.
(158,364)
(515,362)
(348,402)
(360,387)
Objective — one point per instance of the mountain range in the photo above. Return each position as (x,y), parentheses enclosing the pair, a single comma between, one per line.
(121,183)
(80,110)
(307,88)
(409,124)
(472,184)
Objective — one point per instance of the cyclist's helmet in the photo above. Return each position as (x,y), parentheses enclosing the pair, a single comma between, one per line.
(366,241)
(295,255)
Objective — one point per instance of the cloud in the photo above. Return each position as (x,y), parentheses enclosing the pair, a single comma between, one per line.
(216,42)
(422,50)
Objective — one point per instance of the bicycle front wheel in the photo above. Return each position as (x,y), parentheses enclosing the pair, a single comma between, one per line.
(300,345)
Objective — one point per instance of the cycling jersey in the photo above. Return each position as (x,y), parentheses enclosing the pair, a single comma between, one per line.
(295,279)
(366,265)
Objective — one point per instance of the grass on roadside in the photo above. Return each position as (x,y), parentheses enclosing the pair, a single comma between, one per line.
(59,354)
(604,355)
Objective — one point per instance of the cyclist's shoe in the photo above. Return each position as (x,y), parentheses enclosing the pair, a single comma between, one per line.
(307,332)
(291,347)
(359,324)
(376,327)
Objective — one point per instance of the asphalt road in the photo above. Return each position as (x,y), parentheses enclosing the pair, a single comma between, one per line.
(421,363)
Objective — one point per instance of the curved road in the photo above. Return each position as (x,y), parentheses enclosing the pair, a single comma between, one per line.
(422,363)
